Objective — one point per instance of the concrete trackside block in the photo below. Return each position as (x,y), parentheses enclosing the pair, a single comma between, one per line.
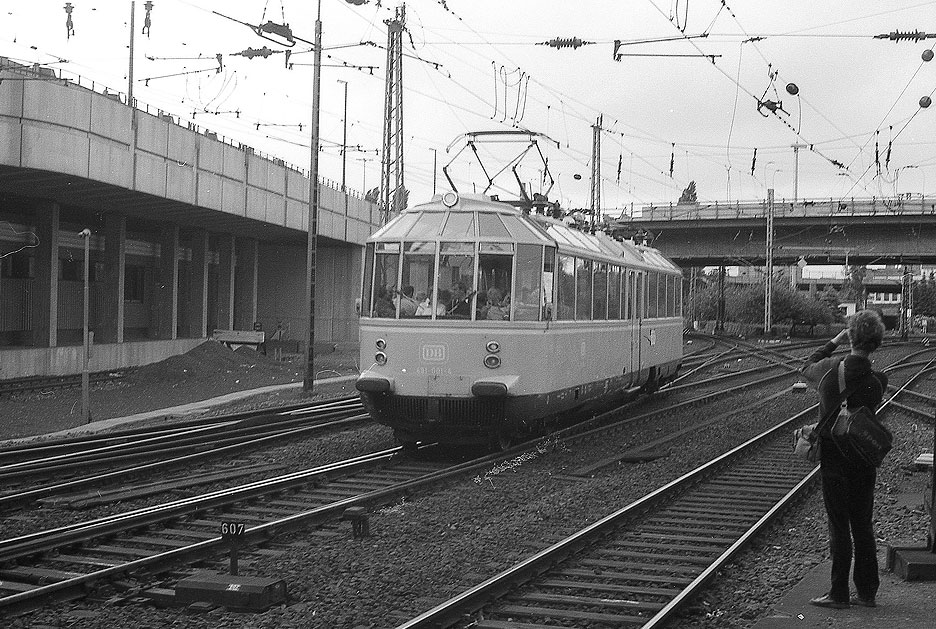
(236,592)
(912,563)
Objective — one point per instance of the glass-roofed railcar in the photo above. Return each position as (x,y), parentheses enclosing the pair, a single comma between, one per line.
(481,321)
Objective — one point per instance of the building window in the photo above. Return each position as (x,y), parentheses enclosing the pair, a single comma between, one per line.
(71,270)
(17,266)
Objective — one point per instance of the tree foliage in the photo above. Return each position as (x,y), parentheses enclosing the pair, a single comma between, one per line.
(689,194)
(745,303)
(924,296)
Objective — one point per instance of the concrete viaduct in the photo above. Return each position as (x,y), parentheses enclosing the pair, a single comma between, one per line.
(831,231)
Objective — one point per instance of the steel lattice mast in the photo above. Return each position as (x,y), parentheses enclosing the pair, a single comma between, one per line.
(391,161)
(596,172)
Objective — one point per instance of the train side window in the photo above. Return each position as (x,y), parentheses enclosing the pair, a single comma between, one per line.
(679,296)
(628,295)
(600,292)
(653,301)
(386,275)
(495,277)
(565,286)
(368,284)
(549,283)
(583,289)
(614,292)
(671,295)
(455,284)
(639,300)
(528,300)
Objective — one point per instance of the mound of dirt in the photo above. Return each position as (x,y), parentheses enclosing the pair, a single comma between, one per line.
(207,371)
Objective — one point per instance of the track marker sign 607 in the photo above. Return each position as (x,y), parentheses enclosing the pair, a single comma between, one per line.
(232,531)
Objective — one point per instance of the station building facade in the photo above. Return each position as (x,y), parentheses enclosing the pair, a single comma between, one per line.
(189,233)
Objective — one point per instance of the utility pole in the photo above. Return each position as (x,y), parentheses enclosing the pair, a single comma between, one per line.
(130,71)
(796,148)
(768,275)
(596,171)
(720,311)
(312,241)
(344,136)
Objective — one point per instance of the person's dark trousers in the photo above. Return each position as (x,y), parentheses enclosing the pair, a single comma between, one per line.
(849,503)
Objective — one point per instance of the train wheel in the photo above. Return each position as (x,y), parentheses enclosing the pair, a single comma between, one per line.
(503,439)
(405,440)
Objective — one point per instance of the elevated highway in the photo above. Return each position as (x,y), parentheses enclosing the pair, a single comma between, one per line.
(821,231)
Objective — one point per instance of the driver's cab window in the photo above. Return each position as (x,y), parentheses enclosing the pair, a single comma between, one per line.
(495,275)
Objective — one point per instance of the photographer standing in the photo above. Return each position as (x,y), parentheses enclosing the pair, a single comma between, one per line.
(847,487)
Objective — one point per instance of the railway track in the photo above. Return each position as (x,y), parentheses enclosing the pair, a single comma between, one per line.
(47,469)
(637,566)
(62,563)
(640,565)
(44,383)
(66,562)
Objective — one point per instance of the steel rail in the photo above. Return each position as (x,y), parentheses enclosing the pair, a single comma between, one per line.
(34,544)
(19,449)
(155,446)
(451,611)
(474,598)
(90,481)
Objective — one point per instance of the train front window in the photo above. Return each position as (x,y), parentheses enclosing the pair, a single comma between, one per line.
(415,282)
(491,226)
(428,226)
(455,284)
(386,273)
(495,274)
(529,297)
(458,226)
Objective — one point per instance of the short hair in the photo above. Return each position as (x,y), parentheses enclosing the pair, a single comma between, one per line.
(865,330)
(408,290)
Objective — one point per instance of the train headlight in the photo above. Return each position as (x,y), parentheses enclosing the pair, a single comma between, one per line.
(492,361)
(493,347)
(381,344)
(449,199)
(380,358)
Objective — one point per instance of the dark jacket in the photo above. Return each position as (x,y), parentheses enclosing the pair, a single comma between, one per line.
(868,388)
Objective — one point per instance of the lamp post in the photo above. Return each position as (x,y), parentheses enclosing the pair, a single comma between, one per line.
(86,334)
(435,155)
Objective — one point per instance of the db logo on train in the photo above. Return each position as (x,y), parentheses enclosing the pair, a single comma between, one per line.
(433,353)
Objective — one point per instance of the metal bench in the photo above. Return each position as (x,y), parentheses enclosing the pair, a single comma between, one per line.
(237,338)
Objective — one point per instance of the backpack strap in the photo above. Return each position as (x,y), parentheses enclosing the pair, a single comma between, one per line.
(844,393)
(841,382)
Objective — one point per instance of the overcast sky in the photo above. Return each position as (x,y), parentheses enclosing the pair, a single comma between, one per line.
(476,65)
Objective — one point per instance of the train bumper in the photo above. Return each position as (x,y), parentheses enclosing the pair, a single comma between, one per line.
(498,386)
(373,383)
